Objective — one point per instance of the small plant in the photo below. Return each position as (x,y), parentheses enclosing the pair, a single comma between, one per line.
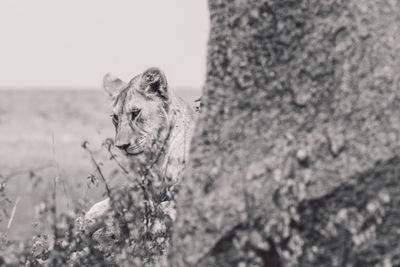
(135,231)
(139,225)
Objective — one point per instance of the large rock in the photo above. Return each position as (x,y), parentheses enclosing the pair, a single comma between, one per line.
(293,161)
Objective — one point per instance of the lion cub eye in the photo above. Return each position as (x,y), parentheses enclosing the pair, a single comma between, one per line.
(134,114)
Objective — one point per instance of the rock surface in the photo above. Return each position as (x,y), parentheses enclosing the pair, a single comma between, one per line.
(294,158)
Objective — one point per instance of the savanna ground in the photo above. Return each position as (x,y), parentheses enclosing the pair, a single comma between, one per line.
(40,138)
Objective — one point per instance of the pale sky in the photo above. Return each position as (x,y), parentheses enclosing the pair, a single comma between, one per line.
(73,43)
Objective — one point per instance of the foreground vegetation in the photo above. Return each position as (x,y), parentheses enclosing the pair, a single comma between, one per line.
(134,233)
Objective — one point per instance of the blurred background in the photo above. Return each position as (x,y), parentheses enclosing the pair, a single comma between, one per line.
(53,56)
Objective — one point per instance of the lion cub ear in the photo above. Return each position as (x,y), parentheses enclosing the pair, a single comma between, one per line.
(113,85)
(154,81)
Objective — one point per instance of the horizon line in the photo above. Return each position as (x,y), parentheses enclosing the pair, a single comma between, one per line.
(83,88)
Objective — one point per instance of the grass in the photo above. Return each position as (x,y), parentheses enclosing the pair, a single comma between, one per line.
(47,183)
(41,135)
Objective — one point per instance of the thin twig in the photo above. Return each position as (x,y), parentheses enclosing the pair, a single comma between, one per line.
(114,158)
(54,193)
(96,167)
(54,209)
(14,209)
(120,213)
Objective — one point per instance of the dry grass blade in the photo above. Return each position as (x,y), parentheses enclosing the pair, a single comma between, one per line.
(96,167)
(14,209)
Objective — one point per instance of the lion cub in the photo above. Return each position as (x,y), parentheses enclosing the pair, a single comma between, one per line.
(146,112)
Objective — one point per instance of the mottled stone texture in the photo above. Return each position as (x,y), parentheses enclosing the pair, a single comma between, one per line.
(294,159)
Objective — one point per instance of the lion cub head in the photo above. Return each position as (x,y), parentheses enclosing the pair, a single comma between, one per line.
(140,110)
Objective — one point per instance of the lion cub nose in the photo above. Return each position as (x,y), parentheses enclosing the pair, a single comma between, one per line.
(122,146)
